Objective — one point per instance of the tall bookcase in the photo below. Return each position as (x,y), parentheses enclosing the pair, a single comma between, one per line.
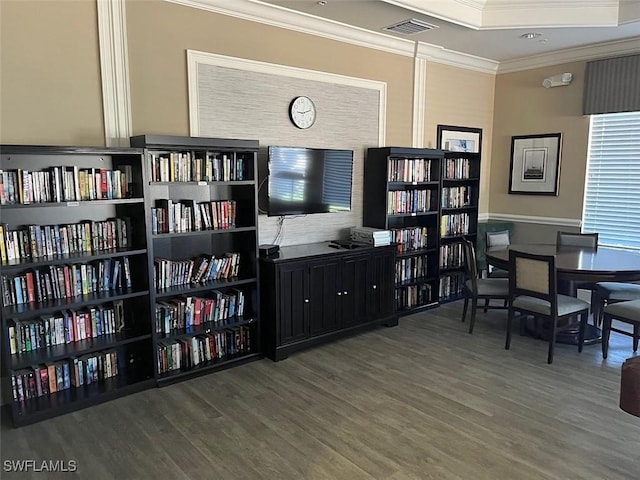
(402,194)
(201,207)
(460,184)
(76,327)
(459,208)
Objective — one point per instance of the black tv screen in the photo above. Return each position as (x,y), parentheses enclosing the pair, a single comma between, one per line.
(309,180)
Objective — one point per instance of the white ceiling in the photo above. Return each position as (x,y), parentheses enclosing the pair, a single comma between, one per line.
(488,29)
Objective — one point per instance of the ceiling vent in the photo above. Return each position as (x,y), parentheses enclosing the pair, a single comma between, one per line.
(409,27)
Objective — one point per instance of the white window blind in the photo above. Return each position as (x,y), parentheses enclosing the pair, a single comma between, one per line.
(612,194)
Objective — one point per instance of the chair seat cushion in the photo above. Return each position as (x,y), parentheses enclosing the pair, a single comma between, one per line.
(499,273)
(618,291)
(566,305)
(491,286)
(626,310)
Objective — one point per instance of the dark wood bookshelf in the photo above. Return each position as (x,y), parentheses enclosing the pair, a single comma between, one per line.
(39,166)
(242,239)
(380,172)
(206,368)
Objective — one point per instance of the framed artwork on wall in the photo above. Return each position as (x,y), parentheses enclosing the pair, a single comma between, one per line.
(535,164)
(459,139)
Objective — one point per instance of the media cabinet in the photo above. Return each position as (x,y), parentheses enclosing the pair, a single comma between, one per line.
(312,294)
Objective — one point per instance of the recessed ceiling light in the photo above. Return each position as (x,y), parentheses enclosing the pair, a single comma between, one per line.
(322,3)
(530,35)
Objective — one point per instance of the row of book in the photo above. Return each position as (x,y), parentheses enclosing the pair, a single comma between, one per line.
(456,197)
(50,241)
(451,285)
(187,216)
(455,224)
(408,201)
(187,353)
(410,239)
(412,296)
(411,268)
(456,168)
(66,281)
(451,255)
(202,269)
(409,170)
(185,312)
(64,184)
(196,167)
(46,379)
(64,327)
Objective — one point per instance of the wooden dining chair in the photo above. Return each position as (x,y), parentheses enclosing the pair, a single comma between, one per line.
(569,239)
(626,312)
(533,290)
(477,288)
(498,239)
(583,240)
(605,293)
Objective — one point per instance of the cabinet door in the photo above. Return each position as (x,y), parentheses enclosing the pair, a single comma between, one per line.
(354,280)
(324,293)
(293,301)
(382,284)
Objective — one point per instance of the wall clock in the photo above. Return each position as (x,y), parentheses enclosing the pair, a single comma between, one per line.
(302,112)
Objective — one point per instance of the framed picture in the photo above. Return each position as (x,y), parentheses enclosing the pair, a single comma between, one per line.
(535,164)
(459,139)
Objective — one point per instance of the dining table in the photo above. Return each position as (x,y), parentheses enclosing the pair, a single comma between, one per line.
(575,266)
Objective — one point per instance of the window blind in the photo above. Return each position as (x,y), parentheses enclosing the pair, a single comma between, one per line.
(612,193)
(612,85)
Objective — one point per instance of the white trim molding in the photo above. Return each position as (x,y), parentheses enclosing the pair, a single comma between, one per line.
(276,16)
(437,54)
(419,100)
(196,58)
(507,217)
(114,70)
(591,52)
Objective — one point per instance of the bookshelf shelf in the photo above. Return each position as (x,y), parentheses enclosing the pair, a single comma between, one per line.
(413,214)
(204,232)
(86,216)
(25,310)
(189,290)
(195,183)
(69,259)
(205,368)
(207,327)
(414,253)
(81,347)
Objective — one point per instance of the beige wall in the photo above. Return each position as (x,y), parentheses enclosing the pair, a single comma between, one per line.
(50,88)
(461,97)
(524,107)
(159,33)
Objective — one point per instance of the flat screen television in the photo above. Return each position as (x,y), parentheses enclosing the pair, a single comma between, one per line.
(308,180)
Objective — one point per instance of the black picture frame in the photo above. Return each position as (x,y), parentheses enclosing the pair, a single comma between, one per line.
(459,139)
(535,164)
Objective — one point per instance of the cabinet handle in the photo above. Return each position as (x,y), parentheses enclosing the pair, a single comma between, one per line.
(306,300)
(345,292)
(375,286)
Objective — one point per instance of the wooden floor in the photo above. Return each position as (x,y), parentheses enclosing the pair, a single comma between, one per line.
(424,400)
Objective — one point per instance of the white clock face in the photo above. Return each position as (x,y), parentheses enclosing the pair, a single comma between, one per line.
(302,112)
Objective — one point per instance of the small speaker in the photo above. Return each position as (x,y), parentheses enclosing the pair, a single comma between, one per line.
(268,250)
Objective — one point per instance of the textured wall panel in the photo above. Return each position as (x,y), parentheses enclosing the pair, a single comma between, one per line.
(235,103)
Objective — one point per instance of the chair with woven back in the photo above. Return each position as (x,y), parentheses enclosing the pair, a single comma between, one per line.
(533,290)
(477,288)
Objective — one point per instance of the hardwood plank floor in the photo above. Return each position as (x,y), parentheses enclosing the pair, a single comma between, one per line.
(424,400)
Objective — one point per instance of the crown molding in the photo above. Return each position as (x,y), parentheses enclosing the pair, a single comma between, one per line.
(257,11)
(276,16)
(435,53)
(589,52)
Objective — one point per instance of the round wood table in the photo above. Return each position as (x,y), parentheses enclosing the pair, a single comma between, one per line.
(576,265)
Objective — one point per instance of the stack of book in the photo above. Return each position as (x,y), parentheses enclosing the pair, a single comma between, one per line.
(372,236)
